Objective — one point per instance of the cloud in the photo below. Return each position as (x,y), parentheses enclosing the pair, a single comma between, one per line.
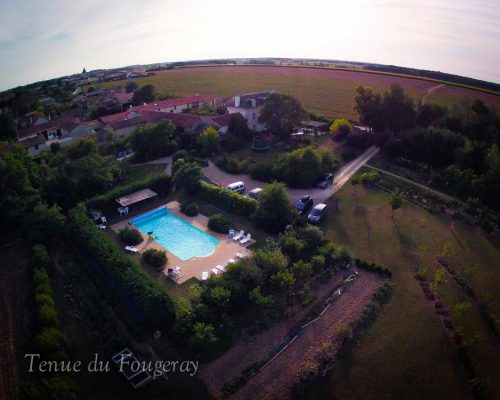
(59,37)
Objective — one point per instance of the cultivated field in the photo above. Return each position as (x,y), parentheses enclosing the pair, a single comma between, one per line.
(317,340)
(407,353)
(326,92)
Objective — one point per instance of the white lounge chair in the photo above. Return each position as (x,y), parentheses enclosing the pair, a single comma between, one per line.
(246,239)
(221,268)
(240,255)
(239,235)
(132,249)
(231,261)
(231,233)
(204,275)
(215,271)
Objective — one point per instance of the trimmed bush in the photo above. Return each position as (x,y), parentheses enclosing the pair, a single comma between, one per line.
(225,198)
(190,209)
(156,258)
(262,172)
(218,223)
(233,166)
(130,237)
(154,301)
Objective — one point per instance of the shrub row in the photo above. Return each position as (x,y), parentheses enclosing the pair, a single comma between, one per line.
(50,340)
(154,301)
(373,267)
(225,198)
(161,184)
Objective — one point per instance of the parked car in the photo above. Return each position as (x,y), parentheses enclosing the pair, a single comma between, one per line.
(317,213)
(238,187)
(254,193)
(304,204)
(325,181)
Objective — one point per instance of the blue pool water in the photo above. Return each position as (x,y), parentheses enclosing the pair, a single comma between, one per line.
(176,235)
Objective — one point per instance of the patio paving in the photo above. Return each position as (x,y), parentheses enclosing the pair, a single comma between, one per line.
(225,250)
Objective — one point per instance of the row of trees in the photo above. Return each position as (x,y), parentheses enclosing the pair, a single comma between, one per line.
(462,141)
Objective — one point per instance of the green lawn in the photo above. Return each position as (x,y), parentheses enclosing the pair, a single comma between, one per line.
(406,354)
(134,173)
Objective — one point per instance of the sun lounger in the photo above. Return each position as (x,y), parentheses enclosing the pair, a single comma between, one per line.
(246,239)
(231,233)
(132,249)
(204,275)
(239,235)
(240,255)
(215,271)
(221,268)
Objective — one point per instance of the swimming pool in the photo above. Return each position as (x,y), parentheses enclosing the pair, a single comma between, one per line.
(176,235)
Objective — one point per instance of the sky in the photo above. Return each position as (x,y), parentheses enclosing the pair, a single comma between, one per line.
(50,38)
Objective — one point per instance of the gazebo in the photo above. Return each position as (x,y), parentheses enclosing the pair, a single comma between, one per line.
(133,198)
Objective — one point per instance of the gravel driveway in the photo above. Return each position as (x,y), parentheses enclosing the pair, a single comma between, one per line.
(319,195)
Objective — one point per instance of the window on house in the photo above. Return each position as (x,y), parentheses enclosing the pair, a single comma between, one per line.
(36,147)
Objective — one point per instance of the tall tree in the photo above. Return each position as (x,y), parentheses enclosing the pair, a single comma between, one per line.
(209,140)
(238,125)
(131,87)
(368,105)
(396,200)
(398,109)
(274,210)
(340,128)
(281,113)
(7,126)
(145,94)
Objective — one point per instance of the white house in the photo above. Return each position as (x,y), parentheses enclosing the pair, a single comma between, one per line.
(249,105)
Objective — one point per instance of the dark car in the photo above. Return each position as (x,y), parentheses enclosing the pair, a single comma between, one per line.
(326,179)
(304,204)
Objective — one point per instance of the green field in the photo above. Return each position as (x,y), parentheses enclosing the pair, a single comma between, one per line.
(406,353)
(326,92)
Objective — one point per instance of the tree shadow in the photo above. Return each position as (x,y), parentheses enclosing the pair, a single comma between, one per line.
(360,211)
(407,246)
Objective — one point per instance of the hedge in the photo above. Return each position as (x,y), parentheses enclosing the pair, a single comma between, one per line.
(225,198)
(373,267)
(161,184)
(156,304)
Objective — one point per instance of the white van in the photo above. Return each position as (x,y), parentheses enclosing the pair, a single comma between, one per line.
(238,187)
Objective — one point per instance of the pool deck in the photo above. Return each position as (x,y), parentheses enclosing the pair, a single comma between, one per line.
(224,251)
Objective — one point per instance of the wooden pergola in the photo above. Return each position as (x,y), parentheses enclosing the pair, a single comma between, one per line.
(136,197)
